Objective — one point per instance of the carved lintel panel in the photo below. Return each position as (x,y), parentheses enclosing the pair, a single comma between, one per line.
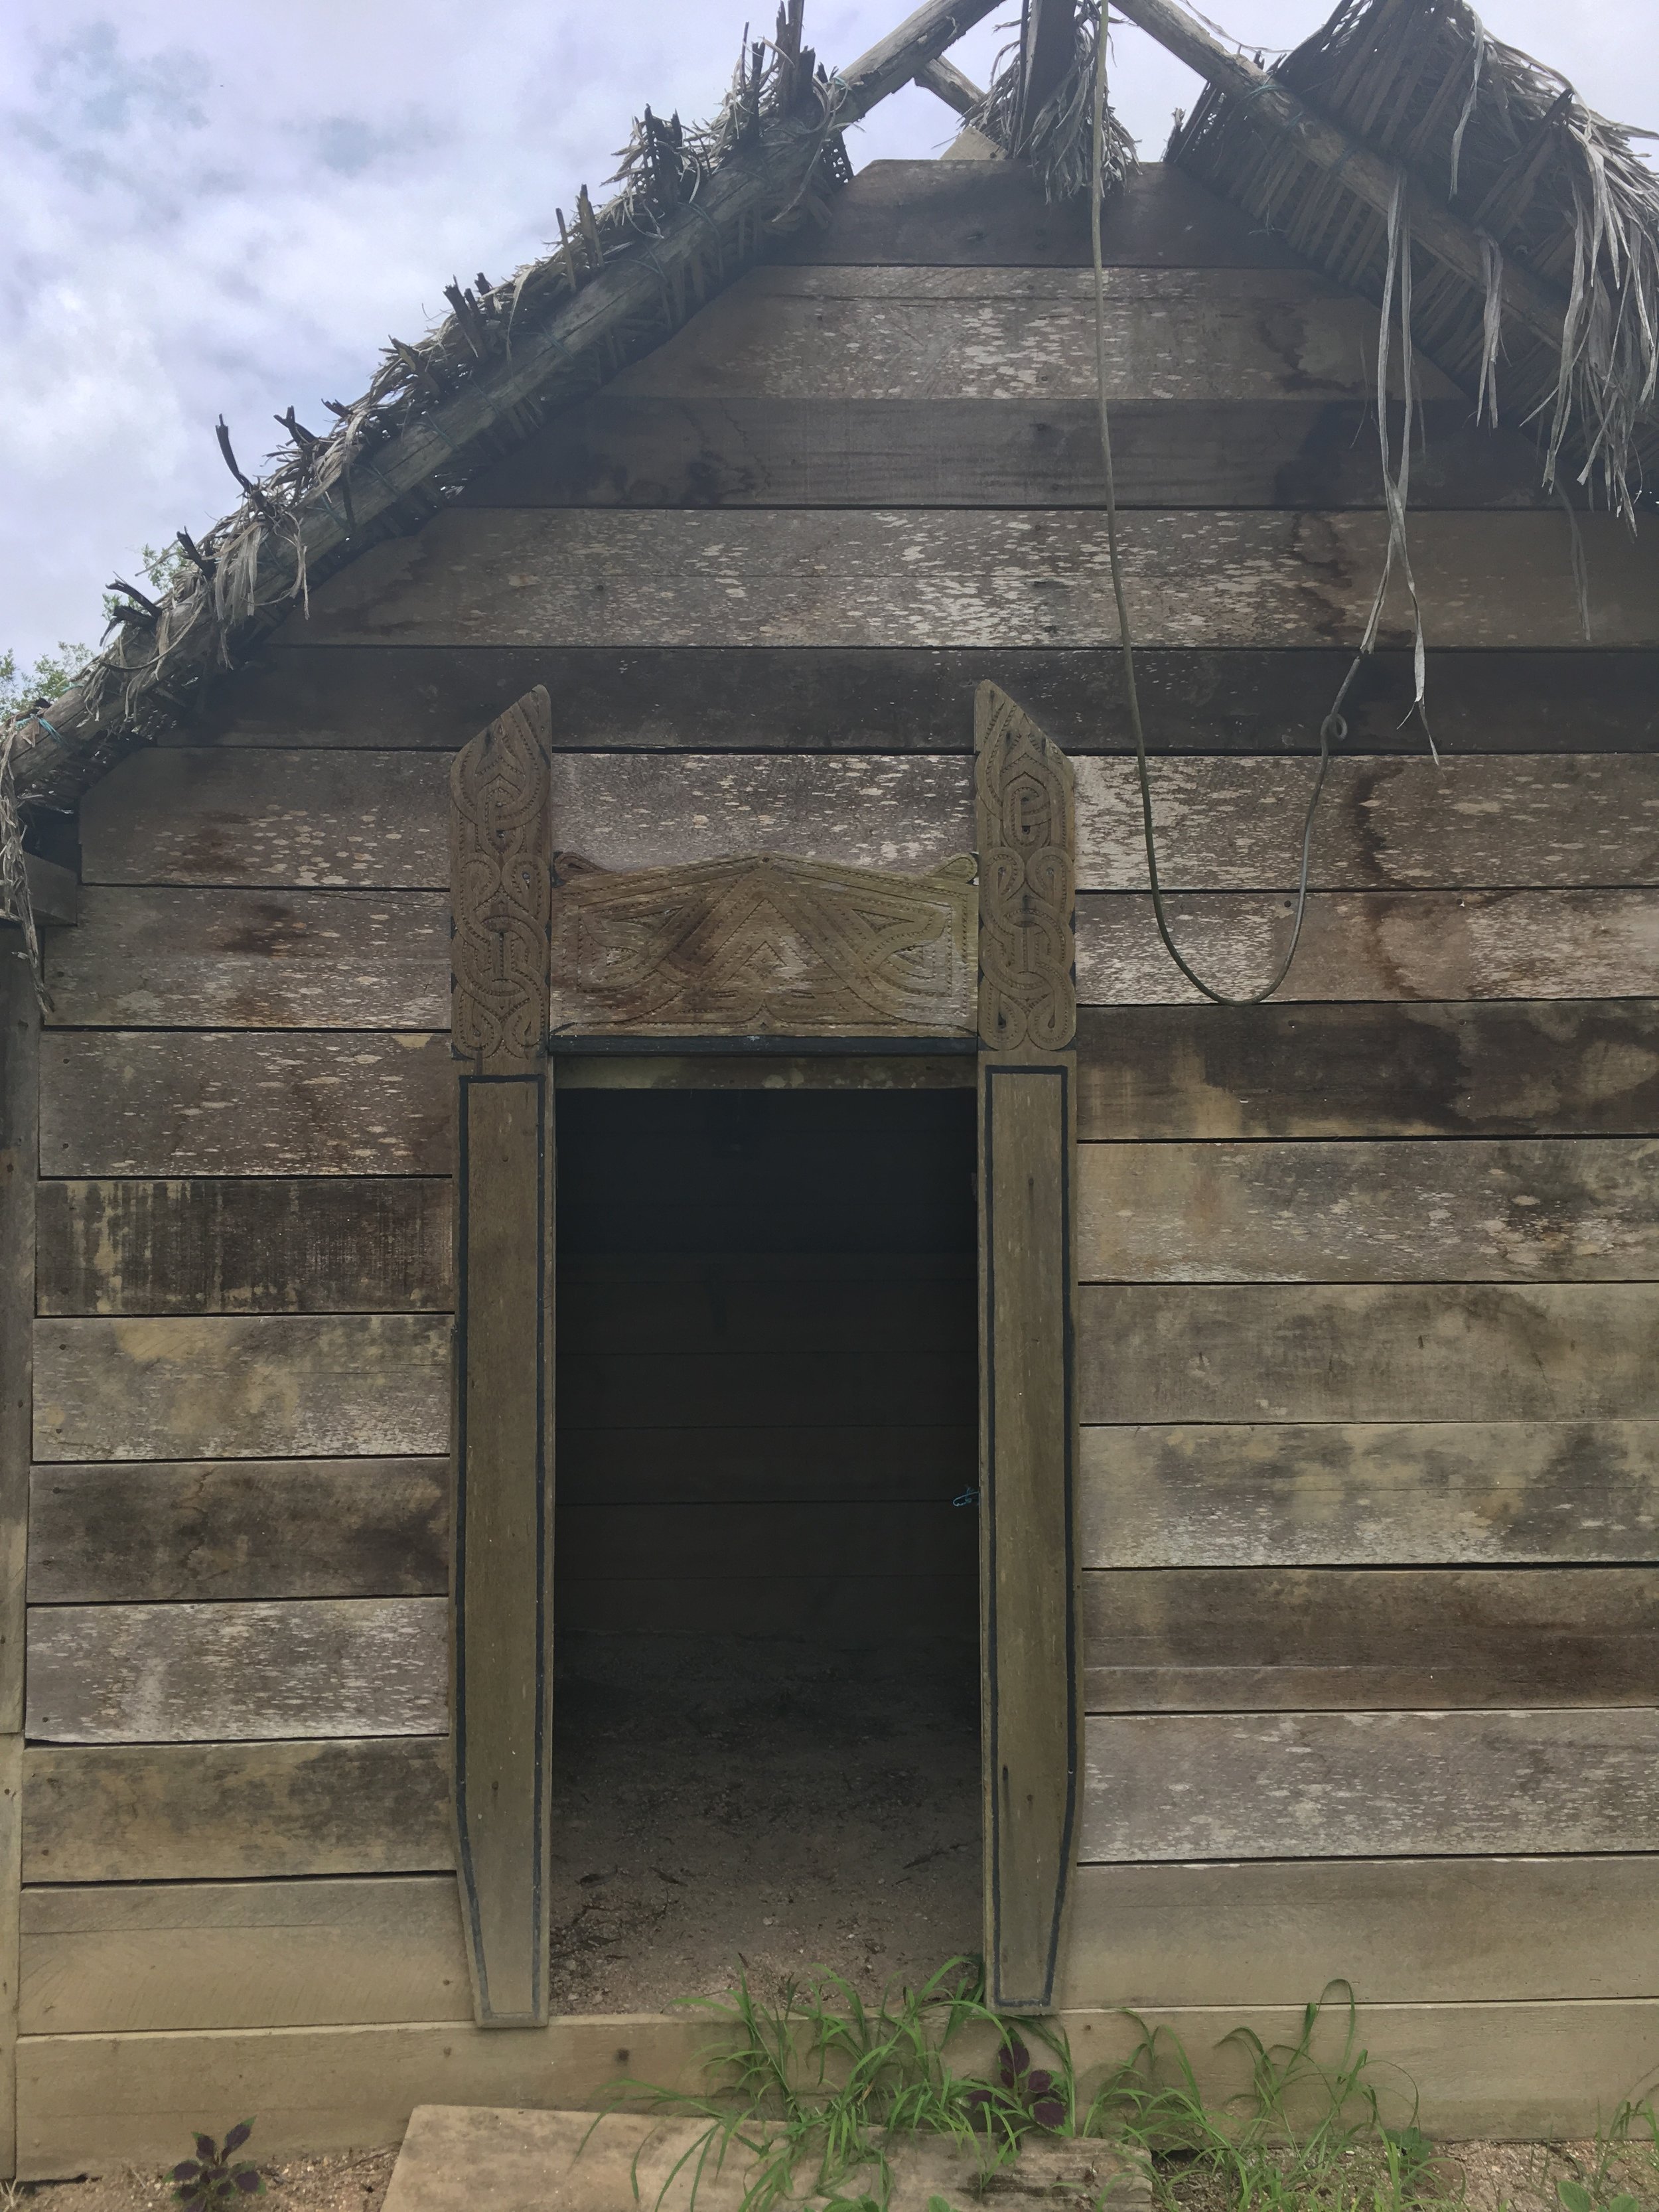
(1028,881)
(763,946)
(501,853)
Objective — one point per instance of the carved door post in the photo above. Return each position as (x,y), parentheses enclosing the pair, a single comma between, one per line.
(502,1680)
(1028,1387)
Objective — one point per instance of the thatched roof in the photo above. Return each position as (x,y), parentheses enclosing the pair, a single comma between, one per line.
(1505,143)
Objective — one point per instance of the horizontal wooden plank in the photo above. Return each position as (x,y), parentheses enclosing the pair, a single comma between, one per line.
(1286,1639)
(265,812)
(822,1464)
(1429,1930)
(102,2102)
(1346,1351)
(749,1540)
(207,817)
(193,1955)
(247,1102)
(190,816)
(926,1615)
(1006,452)
(236,1812)
(1013,577)
(1011,334)
(254,959)
(96,2102)
(214,1529)
(784,698)
(238,1672)
(274,1387)
(1369,1785)
(1374,945)
(1333,1493)
(1384,823)
(335,1244)
(981,214)
(1554,1068)
(923,1389)
(1553,1209)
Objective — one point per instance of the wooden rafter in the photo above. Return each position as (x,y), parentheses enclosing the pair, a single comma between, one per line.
(1047,42)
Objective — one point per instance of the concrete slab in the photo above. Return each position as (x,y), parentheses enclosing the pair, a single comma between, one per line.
(457,2157)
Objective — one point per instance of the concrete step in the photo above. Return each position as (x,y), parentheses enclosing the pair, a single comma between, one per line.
(458,2158)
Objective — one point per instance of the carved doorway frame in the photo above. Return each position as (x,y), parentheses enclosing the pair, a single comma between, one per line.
(880,954)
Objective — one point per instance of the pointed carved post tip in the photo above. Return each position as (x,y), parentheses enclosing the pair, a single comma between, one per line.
(501,853)
(1028,880)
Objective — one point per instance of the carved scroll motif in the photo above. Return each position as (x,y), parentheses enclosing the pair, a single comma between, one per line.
(764,946)
(501,852)
(1028,872)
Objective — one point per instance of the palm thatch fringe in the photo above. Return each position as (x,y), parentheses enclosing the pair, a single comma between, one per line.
(1509,147)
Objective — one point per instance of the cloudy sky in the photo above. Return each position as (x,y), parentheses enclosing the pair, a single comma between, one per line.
(210,208)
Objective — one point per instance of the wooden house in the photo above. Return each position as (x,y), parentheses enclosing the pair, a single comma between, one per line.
(523,1042)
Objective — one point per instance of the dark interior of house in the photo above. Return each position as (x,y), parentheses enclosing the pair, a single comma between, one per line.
(766,1701)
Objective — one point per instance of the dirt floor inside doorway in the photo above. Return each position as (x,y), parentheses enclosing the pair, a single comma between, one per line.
(779,1807)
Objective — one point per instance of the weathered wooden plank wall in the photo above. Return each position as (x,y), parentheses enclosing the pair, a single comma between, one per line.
(1369,1489)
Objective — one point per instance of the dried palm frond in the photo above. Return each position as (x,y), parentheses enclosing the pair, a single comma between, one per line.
(1545,182)
(1057,144)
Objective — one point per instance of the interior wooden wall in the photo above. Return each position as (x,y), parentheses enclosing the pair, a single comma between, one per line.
(1369,1474)
(766,1395)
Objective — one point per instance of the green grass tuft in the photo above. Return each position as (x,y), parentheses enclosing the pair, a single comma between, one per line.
(819,2081)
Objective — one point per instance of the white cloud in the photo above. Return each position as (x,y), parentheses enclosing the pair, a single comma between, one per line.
(208,210)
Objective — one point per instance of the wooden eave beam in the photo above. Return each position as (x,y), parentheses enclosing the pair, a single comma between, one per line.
(1457,244)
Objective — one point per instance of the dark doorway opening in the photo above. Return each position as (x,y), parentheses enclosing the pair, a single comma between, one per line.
(766,1721)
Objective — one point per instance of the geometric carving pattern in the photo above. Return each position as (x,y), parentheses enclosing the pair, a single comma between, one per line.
(500,855)
(762,945)
(1028,881)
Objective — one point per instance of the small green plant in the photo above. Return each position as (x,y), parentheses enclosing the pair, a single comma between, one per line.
(1025,2096)
(1574,2197)
(820,2084)
(216,2177)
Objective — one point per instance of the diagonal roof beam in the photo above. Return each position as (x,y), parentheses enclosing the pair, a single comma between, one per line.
(1371,177)
(947,82)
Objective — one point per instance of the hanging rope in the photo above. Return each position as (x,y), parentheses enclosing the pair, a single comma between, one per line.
(1395,484)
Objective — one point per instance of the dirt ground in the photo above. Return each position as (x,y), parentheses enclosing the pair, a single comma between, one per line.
(776,1805)
(1485,2177)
